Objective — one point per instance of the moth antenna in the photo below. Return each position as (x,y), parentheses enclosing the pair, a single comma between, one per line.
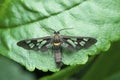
(65,29)
(60,29)
(52,29)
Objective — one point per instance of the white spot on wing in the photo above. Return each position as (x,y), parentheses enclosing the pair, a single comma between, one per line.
(39,40)
(85,39)
(49,45)
(31,45)
(28,41)
(37,44)
(40,44)
(43,42)
(64,45)
(82,43)
(71,42)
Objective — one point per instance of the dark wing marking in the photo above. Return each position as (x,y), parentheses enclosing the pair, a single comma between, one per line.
(36,43)
(78,42)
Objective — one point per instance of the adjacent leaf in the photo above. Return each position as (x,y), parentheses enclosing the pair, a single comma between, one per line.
(12,71)
(107,66)
(32,19)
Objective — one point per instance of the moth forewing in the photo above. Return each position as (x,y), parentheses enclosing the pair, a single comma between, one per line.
(35,43)
(79,42)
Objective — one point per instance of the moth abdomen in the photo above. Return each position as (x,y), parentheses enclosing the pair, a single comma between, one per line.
(58,58)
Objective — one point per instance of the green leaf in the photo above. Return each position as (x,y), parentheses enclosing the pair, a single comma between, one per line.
(9,70)
(32,19)
(115,76)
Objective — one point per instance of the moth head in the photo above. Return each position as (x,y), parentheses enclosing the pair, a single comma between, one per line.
(56,32)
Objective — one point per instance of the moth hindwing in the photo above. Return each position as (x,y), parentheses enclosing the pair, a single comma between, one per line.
(56,43)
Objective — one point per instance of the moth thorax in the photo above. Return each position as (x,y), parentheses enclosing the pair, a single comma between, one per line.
(56,40)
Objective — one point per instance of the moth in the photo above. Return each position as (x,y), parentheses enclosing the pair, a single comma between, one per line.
(57,42)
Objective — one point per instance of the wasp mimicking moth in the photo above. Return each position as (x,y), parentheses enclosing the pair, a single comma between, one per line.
(56,43)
